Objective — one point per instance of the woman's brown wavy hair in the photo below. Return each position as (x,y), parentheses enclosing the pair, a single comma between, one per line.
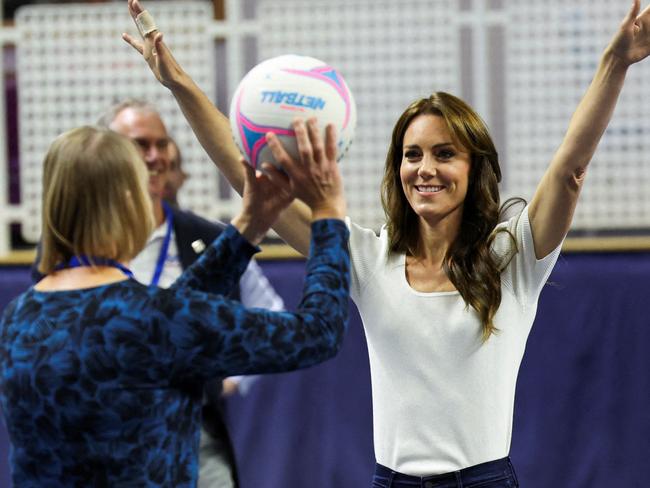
(469,263)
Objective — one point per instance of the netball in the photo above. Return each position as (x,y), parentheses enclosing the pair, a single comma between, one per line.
(280,89)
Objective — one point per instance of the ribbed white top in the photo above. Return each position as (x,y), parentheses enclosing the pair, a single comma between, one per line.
(442,399)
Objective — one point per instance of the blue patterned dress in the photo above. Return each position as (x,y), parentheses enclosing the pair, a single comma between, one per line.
(102,386)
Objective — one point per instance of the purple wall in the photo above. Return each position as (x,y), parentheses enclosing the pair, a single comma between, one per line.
(581,416)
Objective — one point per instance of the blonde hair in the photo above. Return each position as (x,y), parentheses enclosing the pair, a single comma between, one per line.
(95,199)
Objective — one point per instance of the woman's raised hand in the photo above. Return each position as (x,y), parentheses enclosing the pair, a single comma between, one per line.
(631,43)
(315,178)
(263,199)
(154,51)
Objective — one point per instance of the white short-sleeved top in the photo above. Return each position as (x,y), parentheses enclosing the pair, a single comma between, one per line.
(442,399)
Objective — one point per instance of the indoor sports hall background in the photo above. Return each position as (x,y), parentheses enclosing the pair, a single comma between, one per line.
(583,401)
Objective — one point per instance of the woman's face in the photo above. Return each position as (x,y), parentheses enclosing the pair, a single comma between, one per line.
(434,170)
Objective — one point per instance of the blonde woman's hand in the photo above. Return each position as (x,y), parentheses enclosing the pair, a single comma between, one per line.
(265,196)
(314,178)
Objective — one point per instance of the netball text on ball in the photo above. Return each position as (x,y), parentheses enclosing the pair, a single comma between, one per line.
(294,99)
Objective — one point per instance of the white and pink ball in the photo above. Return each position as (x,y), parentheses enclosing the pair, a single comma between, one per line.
(277,91)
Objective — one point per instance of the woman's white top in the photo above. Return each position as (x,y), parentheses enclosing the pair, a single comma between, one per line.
(442,399)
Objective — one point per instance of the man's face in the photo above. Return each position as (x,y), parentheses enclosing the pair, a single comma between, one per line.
(148,132)
(175,176)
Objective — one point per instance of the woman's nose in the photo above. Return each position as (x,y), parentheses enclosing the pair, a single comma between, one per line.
(427,168)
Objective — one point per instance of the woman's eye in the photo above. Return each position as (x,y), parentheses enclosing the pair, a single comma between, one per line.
(411,154)
(446,154)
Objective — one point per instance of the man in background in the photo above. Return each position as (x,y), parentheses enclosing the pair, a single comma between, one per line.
(176,176)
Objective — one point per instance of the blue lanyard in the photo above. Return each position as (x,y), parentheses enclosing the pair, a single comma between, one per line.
(80,261)
(164,249)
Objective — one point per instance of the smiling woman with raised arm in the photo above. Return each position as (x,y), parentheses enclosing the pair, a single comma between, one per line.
(101,377)
(446,292)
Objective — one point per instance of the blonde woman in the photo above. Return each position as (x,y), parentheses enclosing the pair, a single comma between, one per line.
(100,376)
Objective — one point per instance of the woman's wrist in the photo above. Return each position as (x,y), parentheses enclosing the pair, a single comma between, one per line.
(180,82)
(249,228)
(330,210)
(612,60)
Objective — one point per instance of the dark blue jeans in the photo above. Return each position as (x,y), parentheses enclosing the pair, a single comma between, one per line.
(493,474)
